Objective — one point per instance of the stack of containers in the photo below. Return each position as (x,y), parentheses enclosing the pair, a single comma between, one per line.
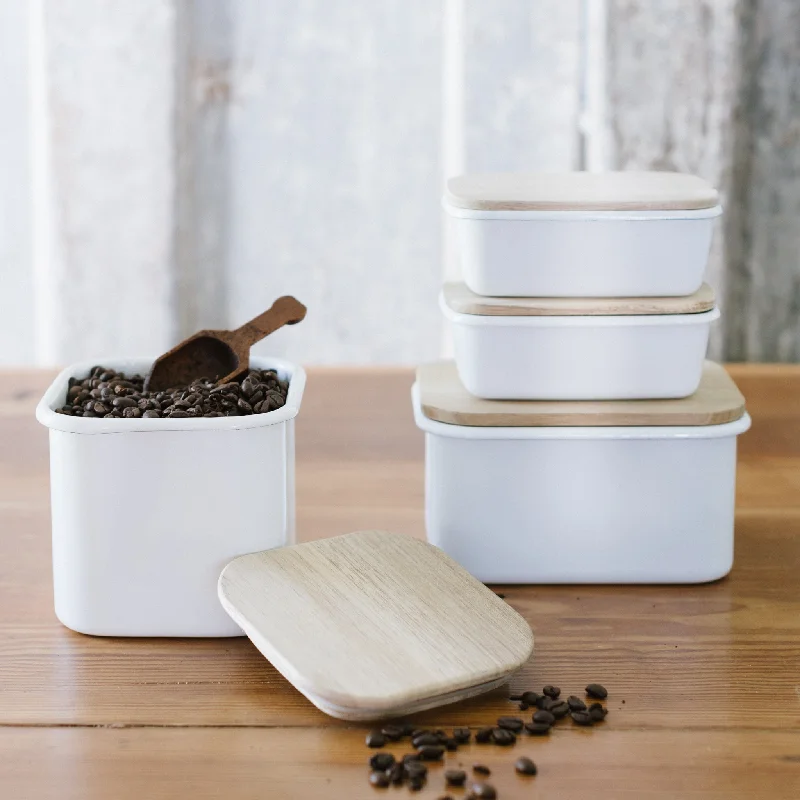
(581,436)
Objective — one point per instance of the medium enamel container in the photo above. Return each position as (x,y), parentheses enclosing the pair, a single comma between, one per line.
(581,492)
(579,349)
(580,234)
(147,512)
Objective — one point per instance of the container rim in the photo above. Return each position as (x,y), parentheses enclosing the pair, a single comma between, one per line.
(56,392)
(577,320)
(577,215)
(451,431)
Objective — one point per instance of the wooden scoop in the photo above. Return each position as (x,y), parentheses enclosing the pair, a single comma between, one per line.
(224,355)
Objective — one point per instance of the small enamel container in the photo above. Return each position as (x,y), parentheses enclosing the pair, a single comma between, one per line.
(581,492)
(581,234)
(579,348)
(147,512)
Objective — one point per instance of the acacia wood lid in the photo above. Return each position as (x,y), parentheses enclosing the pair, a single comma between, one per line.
(374,624)
(576,191)
(461,299)
(444,399)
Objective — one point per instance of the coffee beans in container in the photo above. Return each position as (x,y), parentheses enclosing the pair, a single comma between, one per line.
(108,393)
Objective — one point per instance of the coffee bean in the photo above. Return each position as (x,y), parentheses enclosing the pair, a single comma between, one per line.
(575,703)
(551,691)
(482,791)
(597,712)
(581,717)
(396,774)
(560,710)
(124,402)
(425,739)
(416,783)
(545,703)
(379,779)
(375,739)
(411,758)
(530,698)
(131,413)
(100,408)
(523,706)
(503,737)
(461,735)
(483,735)
(392,732)
(408,729)
(381,761)
(455,777)
(151,414)
(431,753)
(596,690)
(415,768)
(524,766)
(510,723)
(537,728)
(481,769)
(451,745)
(177,414)
(544,716)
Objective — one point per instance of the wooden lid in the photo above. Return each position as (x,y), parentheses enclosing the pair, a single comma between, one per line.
(458,297)
(575,191)
(444,399)
(374,624)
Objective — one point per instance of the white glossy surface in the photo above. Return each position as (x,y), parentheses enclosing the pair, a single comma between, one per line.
(144,520)
(581,357)
(582,505)
(583,254)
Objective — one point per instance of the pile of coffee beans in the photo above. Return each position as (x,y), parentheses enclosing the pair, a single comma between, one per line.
(431,746)
(108,393)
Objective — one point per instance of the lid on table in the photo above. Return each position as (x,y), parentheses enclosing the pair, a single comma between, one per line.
(581,191)
(374,624)
(460,298)
(443,398)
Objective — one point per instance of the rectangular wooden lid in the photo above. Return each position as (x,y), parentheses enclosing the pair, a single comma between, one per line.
(444,399)
(576,191)
(374,624)
(459,298)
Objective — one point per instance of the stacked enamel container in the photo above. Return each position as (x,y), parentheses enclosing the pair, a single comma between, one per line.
(580,435)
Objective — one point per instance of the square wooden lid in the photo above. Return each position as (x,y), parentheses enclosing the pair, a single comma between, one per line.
(373,624)
(576,191)
(444,399)
(460,298)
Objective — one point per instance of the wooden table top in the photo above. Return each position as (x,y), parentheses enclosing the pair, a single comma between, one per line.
(704,681)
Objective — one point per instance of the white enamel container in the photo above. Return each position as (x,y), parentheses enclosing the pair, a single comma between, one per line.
(548,349)
(582,504)
(629,234)
(147,512)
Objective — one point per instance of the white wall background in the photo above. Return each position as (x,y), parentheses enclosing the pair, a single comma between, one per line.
(167,165)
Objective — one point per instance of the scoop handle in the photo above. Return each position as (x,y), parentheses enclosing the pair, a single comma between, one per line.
(285,310)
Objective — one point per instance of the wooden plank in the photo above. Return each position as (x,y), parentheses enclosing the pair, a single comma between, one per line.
(334,175)
(763,237)
(94,764)
(444,399)
(107,203)
(683,58)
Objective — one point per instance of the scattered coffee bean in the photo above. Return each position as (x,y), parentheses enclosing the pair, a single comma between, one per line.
(379,779)
(105,393)
(581,717)
(483,735)
(416,768)
(431,753)
(451,745)
(481,769)
(482,791)
(503,737)
(392,732)
(381,761)
(375,739)
(416,783)
(575,703)
(551,691)
(425,739)
(530,698)
(510,723)
(411,758)
(597,691)
(397,774)
(455,777)
(523,706)
(461,735)
(560,710)
(524,766)
(545,717)
(408,729)
(597,712)
(537,728)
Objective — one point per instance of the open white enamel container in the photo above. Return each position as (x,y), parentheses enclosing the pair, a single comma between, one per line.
(147,512)
(580,234)
(579,349)
(581,492)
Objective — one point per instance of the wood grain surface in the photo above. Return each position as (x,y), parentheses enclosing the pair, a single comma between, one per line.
(459,297)
(708,674)
(444,399)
